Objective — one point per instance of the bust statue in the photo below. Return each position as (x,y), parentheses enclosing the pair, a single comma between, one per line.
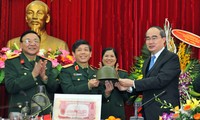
(37,16)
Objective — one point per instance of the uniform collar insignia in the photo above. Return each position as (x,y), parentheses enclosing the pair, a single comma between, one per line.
(76,67)
(22,61)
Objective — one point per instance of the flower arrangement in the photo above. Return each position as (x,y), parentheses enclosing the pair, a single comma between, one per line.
(188,111)
(6,53)
(59,58)
(136,74)
(190,106)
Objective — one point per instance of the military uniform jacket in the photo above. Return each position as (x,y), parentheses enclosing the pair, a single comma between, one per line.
(114,104)
(74,80)
(19,79)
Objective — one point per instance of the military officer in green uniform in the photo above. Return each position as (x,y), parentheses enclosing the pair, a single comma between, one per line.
(113,100)
(25,72)
(79,78)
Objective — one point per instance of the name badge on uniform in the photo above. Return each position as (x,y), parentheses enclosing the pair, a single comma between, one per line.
(77,74)
(25,68)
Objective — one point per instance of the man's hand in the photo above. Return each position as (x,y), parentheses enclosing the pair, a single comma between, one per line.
(126,82)
(120,87)
(36,69)
(93,83)
(43,70)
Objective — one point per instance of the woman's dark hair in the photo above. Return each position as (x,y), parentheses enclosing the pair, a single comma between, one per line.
(27,32)
(78,43)
(108,49)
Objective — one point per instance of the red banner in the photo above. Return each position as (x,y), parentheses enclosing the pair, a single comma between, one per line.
(187,37)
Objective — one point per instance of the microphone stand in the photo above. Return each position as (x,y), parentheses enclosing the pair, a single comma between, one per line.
(139,104)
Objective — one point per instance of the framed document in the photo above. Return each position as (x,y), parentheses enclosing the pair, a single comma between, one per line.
(77,107)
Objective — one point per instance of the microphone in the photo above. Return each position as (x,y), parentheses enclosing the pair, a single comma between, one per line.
(153,98)
(22,92)
(138,104)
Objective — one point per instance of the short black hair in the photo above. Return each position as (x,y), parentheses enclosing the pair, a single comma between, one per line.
(78,43)
(162,32)
(27,32)
(107,49)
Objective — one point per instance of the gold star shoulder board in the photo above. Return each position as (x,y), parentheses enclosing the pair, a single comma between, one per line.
(66,66)
(44,57)
(13,56)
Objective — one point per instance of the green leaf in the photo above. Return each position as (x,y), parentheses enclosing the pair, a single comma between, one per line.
(2,75)
(59,67)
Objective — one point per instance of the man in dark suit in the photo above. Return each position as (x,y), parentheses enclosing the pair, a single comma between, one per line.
(25,72)
(163,76)
(80,77)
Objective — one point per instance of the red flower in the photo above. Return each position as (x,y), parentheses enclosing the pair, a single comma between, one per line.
(22,61)
(76,67)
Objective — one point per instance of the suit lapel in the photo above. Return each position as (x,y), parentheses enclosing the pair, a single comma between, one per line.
(159,59)
(146,66)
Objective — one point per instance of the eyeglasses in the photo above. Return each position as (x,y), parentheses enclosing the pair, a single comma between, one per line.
(151,38)
(28,41)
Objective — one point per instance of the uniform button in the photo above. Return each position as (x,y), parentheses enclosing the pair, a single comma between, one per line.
(25,73)
(36,83)
(120,105)
(78,79)
(108,100)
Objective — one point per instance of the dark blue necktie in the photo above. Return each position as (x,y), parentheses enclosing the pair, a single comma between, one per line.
(152,62)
